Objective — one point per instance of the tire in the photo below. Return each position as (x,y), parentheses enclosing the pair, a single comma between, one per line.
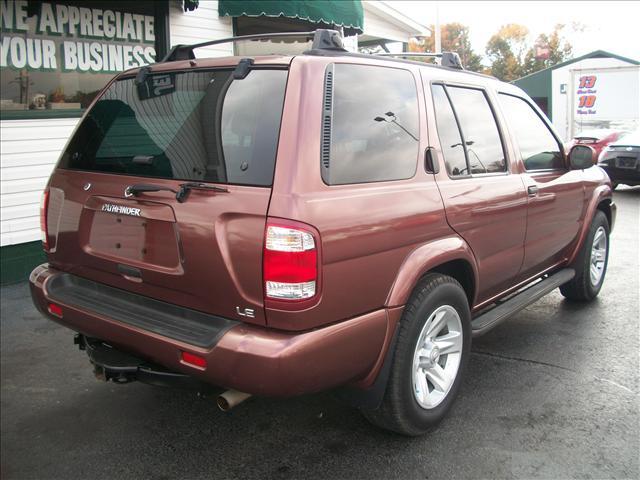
(406,408)
(586,285)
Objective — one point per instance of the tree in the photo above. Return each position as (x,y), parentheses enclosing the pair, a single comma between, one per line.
(549,50)
(454,38)
(506,51)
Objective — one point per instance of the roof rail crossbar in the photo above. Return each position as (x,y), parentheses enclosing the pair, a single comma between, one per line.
(323,39)
(448,59)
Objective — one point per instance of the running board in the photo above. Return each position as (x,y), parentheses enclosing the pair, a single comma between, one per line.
(494,317)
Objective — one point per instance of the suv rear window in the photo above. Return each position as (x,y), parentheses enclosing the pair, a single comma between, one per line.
(201,126)
(373,124)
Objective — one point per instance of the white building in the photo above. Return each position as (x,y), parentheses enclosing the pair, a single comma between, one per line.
(615,93)
(56,57)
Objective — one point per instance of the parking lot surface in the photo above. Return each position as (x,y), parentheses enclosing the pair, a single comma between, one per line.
(551,393)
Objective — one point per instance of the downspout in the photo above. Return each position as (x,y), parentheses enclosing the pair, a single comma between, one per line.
(161,28)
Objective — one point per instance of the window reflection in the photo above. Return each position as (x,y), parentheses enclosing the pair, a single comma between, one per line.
(169,127)
(538,147)
(481,136)
(450,140)
(374,131)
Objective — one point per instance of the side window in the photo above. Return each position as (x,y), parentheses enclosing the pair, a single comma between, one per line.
(479,130)
(448,133)
(370,123)
(538,147)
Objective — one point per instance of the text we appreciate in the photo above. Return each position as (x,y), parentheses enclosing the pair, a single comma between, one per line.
(111,40)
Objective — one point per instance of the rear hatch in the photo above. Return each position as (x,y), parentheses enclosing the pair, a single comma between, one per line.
(164,188)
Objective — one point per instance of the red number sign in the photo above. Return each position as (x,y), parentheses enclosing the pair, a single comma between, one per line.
(587,101)
(588,81)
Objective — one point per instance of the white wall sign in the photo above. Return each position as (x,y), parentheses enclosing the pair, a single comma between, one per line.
(74,38)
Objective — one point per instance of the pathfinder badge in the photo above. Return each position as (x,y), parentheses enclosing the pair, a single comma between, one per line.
(111,208)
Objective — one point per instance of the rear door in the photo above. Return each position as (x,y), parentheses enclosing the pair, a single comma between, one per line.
(484,197)
(115,215)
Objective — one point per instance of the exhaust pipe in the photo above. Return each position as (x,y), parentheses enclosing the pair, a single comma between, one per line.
(229,399)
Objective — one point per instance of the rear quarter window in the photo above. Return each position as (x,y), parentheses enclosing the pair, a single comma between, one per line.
(198,126)
(371,128)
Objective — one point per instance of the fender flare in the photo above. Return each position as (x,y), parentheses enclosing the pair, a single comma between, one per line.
(600,194)
(420,261)
(425,258)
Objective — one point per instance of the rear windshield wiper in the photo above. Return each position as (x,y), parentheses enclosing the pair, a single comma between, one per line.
(185,188)
(181,194)
(133,190)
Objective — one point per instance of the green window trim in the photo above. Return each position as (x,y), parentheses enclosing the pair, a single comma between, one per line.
(41,114)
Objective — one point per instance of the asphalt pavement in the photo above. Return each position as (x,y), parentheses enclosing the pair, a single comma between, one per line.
(551,393)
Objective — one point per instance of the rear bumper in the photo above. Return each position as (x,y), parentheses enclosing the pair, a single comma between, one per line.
(244,357)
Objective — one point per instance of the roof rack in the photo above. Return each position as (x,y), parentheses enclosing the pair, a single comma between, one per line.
(323,39)
(447,59)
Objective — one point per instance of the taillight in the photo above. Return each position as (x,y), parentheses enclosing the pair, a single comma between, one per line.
(290,263)
(44,207)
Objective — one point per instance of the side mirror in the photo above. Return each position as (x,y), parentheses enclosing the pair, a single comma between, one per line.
(581,157)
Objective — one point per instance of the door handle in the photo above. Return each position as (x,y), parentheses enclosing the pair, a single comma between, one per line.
(430,161)
(532,190)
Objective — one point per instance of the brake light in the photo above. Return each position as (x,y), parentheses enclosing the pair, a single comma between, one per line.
(44,207)
(290,266)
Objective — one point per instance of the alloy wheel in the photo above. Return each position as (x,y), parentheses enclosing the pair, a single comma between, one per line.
(437,356)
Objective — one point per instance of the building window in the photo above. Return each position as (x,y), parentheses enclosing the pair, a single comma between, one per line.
(56,56)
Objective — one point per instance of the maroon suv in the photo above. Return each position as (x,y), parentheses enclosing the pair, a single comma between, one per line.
(283,225)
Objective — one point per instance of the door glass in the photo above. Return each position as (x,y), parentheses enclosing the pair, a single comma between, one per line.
(449,134)
(479,130)
(538,147)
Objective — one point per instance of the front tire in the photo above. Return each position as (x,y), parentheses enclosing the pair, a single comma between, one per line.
(591,263)
(429,359)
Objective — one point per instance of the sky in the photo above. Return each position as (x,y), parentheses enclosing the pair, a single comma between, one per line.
(608,25)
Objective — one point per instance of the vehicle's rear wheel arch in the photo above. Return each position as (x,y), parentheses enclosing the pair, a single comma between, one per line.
(462,271)
(448,255)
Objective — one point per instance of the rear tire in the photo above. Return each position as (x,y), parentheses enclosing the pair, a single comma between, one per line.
(429,359)
(591,263)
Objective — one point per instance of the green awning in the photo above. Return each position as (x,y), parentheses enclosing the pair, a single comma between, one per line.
(347,14)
